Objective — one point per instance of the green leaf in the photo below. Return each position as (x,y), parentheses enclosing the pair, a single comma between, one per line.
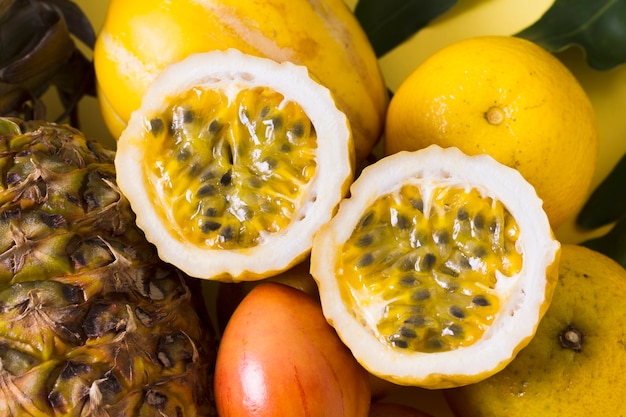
(607,203)
(388,23)
(598,26)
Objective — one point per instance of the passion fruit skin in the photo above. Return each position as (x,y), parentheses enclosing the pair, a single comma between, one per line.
(211,210)
(371,268)
(279,357)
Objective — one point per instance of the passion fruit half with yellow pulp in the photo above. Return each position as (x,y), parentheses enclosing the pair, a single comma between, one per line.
(139,38)
(233,162)
(438,268)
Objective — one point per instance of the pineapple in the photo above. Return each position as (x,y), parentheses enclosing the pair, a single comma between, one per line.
(92,323)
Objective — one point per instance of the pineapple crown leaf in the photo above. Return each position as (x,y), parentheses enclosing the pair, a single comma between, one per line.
(37,51)
(77,22)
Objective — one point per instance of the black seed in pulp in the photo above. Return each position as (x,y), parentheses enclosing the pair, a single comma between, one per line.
(479,222)
(227,234)
(297,130)
(408,281)
(226,178)
(408,263)
(462,214)
(456,311)
(365,240)
(206,191)
(188,116)
(418,204)
(214,127)
(416,321)
(211,212)
(428,262)
(434,343)
(421,295)
(210,226)
(454,330)
(480,252)
(365,260)
(183,155)
(156,126)
(441,237)
(277,122)
(481,301)
(407,333)
(271,163)
(403,222)
(399,343)
(367,219)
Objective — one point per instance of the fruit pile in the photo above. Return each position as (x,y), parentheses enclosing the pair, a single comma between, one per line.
(275,233)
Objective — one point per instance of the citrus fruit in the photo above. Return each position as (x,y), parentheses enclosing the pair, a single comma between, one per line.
(511,99)
(233,162)
(279,357)
(139,38)
(438,267)
(575,364)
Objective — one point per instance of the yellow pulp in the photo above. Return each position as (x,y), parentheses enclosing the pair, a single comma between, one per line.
(226,171)
(426,275)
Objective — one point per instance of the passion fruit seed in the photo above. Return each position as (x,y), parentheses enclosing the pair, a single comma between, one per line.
(435,266)
(239,164)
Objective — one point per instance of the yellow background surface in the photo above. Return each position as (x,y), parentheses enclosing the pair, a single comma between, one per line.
(607,91)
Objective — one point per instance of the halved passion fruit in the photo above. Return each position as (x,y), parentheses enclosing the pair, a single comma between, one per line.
(438,268)
(233,162)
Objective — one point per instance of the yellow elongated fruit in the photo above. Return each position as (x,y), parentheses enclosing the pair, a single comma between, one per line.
(140,38)
(438,268)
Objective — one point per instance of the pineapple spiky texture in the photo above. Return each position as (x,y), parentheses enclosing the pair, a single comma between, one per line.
(92,323)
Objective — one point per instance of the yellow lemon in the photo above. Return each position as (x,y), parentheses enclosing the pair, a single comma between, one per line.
(511,99)
(575,364)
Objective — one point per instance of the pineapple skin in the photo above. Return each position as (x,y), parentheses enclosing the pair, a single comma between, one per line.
(92,322)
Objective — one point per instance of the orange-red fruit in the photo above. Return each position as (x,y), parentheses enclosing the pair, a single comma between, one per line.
(230,294)
(279,357)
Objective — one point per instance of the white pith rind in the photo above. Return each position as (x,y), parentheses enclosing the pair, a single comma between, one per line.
(229,70)
(523,296)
